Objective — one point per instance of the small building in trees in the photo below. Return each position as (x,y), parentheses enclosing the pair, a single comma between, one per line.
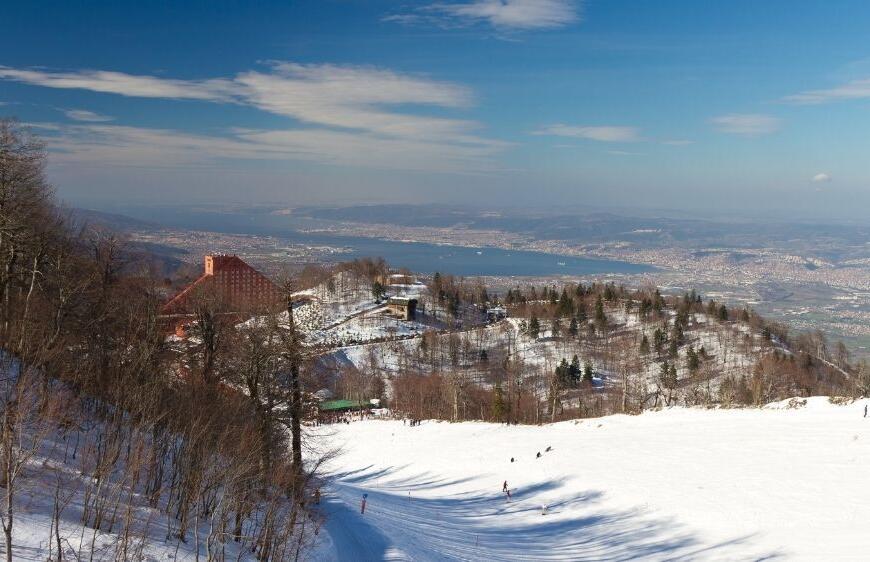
(400,279)
(403,307)
(330,410)
(496,313)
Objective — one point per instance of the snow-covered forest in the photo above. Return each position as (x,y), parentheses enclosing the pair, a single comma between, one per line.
(575,350)
(117,443)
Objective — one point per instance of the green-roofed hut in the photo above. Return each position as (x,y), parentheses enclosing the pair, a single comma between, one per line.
(343,405)
(333,408)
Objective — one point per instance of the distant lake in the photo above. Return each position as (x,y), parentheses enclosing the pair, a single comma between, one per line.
(428,258)
(418,257)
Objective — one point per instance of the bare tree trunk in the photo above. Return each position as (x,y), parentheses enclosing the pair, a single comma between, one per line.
(296,402)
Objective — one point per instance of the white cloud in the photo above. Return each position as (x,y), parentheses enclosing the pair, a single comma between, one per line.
(747,124)
(121,146)
(857,89)
(349,97)
(123,84)
(821,178)
(355,98)
(360,109)
(602,133)
(501,14)
(87,116)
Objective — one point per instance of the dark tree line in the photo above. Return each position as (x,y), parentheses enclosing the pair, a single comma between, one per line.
(199,431)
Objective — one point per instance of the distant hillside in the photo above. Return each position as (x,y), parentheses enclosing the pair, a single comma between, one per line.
(110,221)
(574,351)
(165,259)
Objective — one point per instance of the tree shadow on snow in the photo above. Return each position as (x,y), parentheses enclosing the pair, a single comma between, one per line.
(485,526)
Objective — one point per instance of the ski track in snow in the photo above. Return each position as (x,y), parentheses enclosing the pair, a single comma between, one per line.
(680,484)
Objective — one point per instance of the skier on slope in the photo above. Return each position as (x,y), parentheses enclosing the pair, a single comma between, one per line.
(362,505)
(504,487)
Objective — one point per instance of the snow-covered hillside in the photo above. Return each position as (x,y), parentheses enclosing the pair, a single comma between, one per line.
(342,311)
(689,484)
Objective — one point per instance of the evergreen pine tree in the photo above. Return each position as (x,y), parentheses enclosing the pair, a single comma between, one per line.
(581,312)
(678,335)
(658,340)
(563,372)
(600,317)
(575,370)
(587,372)
(499,407)
(378,291)
(711,308)
(573,327)
(658,302)
(565,304)
(644,345)
(692,361)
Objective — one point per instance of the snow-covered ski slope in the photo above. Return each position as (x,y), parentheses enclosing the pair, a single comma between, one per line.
(685,484)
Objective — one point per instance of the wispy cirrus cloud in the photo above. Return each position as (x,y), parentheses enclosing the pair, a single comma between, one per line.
(856,89)
(747,124)
(500,14)
(356,98)
(344,114)
(331,95)
(597,133)
(122,146)
(122,84)
(87,116)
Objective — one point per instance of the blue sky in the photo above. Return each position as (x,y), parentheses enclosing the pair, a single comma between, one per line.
(671,104)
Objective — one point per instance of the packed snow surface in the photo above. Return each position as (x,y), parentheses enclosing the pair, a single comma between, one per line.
(782,482)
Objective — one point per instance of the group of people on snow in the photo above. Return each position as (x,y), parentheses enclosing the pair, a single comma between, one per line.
(505,489)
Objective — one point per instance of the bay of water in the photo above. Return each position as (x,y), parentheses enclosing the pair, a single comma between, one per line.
(417,256)
(428,258)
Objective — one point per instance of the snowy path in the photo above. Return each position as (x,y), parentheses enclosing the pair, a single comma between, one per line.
(354,538)
(679,484)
